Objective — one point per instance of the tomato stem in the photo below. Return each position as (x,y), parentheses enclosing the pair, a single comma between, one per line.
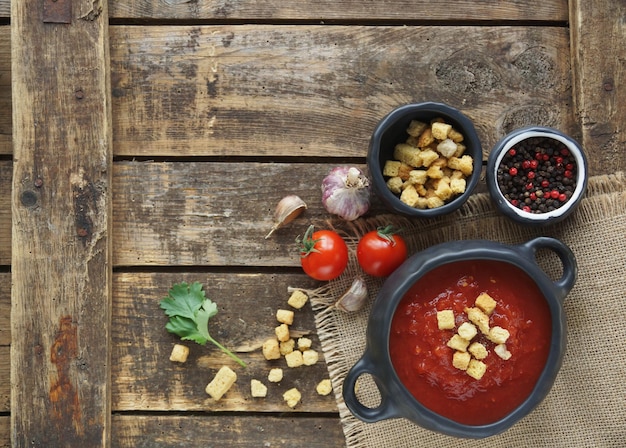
(307,243)
(387,233)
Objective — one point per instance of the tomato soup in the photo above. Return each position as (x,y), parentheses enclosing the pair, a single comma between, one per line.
(423,360)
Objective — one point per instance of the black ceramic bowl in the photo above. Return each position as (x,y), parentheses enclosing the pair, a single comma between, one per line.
(396,400)
(391,130)
(529,191)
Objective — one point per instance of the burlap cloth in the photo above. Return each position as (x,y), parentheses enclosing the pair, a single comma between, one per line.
(587,405)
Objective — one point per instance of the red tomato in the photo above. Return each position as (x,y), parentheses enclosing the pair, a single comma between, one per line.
(380,252)
(323,254)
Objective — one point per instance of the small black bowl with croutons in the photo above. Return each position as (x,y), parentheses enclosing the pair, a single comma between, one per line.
(424,159)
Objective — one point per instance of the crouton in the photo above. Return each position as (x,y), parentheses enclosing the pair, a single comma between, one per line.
(410,196)
(324,387)
(287,346)
(221,383)
(292,397)
(407,154)
(391,168)
(476,369)
(443,190)
(445,319)
(461,360)
(447,148)
(498,335)
(404,172)
(418,177)
(282,332)
(456,342)
(310,357)
(179,353)
(294,359)
(275,375)
(416,128)
(434,172)
(478,350)
(434,202)
(467,331)
(258,389)
(440,130)
(465,164)
(297,299)
(455,136)
(284,316)
(427,157)
(458,186)
(425,138)
(486,303)
(478,318)
(271,349)
(304,344)
(502,351)
(395,184)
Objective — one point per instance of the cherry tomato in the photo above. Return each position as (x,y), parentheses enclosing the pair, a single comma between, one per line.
(323,254)
(381,251)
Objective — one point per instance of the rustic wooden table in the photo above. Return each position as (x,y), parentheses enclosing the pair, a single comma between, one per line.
(151,148)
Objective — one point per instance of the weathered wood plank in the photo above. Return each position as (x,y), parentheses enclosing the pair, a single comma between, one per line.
(5,384)
(5,311)
(198,213)
(5,90)
(319,90)
(6,169)
(405,10)
(146,380)
(5,432)
(226,430)
(598,38)
(5,342)
(60,261)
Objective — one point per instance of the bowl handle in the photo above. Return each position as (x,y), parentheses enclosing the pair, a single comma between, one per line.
(383,411)
(570,269)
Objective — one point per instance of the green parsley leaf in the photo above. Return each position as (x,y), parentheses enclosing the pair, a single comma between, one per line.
(189,311)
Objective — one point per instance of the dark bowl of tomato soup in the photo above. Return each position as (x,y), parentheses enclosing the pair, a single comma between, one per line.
(466,337)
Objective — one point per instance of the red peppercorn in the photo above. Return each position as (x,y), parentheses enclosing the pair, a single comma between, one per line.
(526,164)
(529,186)
(564,152)
(513,171)
(531,174)
(568,174)
(569,166)
(533,196)
(562,197)
(515,202)
(538,156)
(545,183)
(558,160)
(534,164)
(526,208)
(545,157)
(512,152)
(554,194)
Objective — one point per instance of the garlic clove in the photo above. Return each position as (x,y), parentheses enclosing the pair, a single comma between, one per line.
(288,209)
(354,298)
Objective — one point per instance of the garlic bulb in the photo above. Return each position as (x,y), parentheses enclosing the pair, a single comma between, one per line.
(346,192)
(354,298)
(288,209)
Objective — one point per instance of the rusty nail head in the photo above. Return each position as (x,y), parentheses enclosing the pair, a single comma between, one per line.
(79,94)
(38,182)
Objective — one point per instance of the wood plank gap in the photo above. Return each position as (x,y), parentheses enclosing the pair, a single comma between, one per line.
(240,159)
(249,269)
(336,22)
